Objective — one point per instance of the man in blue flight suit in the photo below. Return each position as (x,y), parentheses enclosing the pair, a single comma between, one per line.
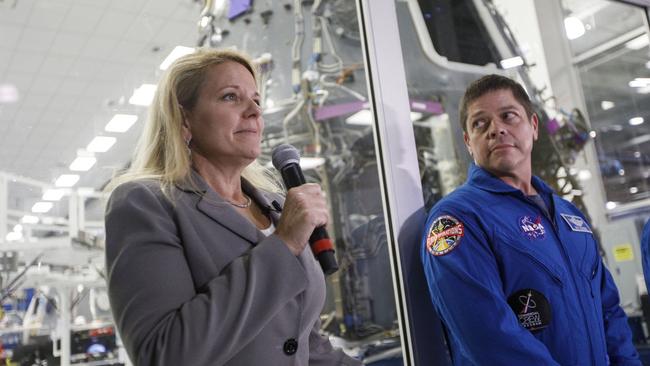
(513,269)
(645,253)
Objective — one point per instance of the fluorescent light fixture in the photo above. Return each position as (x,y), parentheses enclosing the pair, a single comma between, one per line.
(29,219)
(509,63)
(121,123)
(177,52)
(633,190)
(584,175)
(638,42)
(636,121)
(415,116)
(361,118)
(101,144)
(311,163)
(8,93)
(66,180)
(13,236)
(143,95)
(53,195)
(83,163)
(42,207)
(610,205)
(574,28)
(607,104)
(639,83)
(18,228)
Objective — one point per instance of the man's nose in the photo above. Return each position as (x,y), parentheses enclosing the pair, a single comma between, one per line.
(497,127)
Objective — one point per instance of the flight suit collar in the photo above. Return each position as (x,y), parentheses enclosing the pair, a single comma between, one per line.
(482,179)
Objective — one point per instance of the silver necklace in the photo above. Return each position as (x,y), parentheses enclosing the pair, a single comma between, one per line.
(246,204)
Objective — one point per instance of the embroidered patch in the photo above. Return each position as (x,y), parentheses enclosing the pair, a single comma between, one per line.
(532,228)
(444,235)
(576,223)
(532,309)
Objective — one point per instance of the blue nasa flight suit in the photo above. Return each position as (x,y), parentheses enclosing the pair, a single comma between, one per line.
(645,253)
(515,288)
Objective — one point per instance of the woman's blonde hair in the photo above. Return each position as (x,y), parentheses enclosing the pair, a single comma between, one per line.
(161,152)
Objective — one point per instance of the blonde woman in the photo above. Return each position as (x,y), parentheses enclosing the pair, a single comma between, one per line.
(204,268)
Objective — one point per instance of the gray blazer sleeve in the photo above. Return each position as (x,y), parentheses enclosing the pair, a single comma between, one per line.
(321,352)
(162,319)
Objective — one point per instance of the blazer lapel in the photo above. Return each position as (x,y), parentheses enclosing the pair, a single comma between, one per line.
(218,209)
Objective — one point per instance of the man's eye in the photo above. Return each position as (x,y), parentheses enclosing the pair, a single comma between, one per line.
(509,115)
(257,101)
(479,123)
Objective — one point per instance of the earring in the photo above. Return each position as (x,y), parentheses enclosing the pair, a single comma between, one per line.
(188,144)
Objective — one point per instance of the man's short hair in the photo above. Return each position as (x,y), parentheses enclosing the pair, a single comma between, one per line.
(490,83)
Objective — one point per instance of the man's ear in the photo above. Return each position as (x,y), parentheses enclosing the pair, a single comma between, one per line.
(466,139)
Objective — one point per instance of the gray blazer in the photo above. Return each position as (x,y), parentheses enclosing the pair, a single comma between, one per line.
(192,282)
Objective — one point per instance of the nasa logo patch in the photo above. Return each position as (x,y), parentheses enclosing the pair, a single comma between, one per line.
(532,228)
(444,235)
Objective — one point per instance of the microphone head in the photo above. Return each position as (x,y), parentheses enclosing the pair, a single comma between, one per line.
(284,155)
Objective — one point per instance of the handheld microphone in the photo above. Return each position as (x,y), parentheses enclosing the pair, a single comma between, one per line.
(286,160)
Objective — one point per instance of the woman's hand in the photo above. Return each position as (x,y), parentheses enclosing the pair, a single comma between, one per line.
(304,210)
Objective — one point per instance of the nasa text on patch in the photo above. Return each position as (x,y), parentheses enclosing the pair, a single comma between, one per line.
(531,227)
(576,223)
(444,235)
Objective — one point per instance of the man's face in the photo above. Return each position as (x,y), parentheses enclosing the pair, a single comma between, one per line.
(500,135)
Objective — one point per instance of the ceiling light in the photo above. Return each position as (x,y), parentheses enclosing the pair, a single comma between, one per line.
(82,163)
(574,28)
(311,163)
(639,83)
(361,118)
(177,52)
(8,93)
(592,134)
(638,42)
(607,104)
(511,62)
(121,123)
(416,116)
(143,95)
(29,219)
(633,190)
(13,236)
(584,174)
(636,121)
(66,180)
(53,195)
(101,144)
(610,205)
(18,228)
(42,207)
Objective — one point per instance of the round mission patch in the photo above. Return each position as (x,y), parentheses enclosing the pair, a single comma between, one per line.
(444,235)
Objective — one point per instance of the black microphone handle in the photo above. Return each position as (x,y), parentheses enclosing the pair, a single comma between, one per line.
(326,257)
(293,177)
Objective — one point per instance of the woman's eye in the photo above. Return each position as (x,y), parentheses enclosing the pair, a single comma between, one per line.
(230,96)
